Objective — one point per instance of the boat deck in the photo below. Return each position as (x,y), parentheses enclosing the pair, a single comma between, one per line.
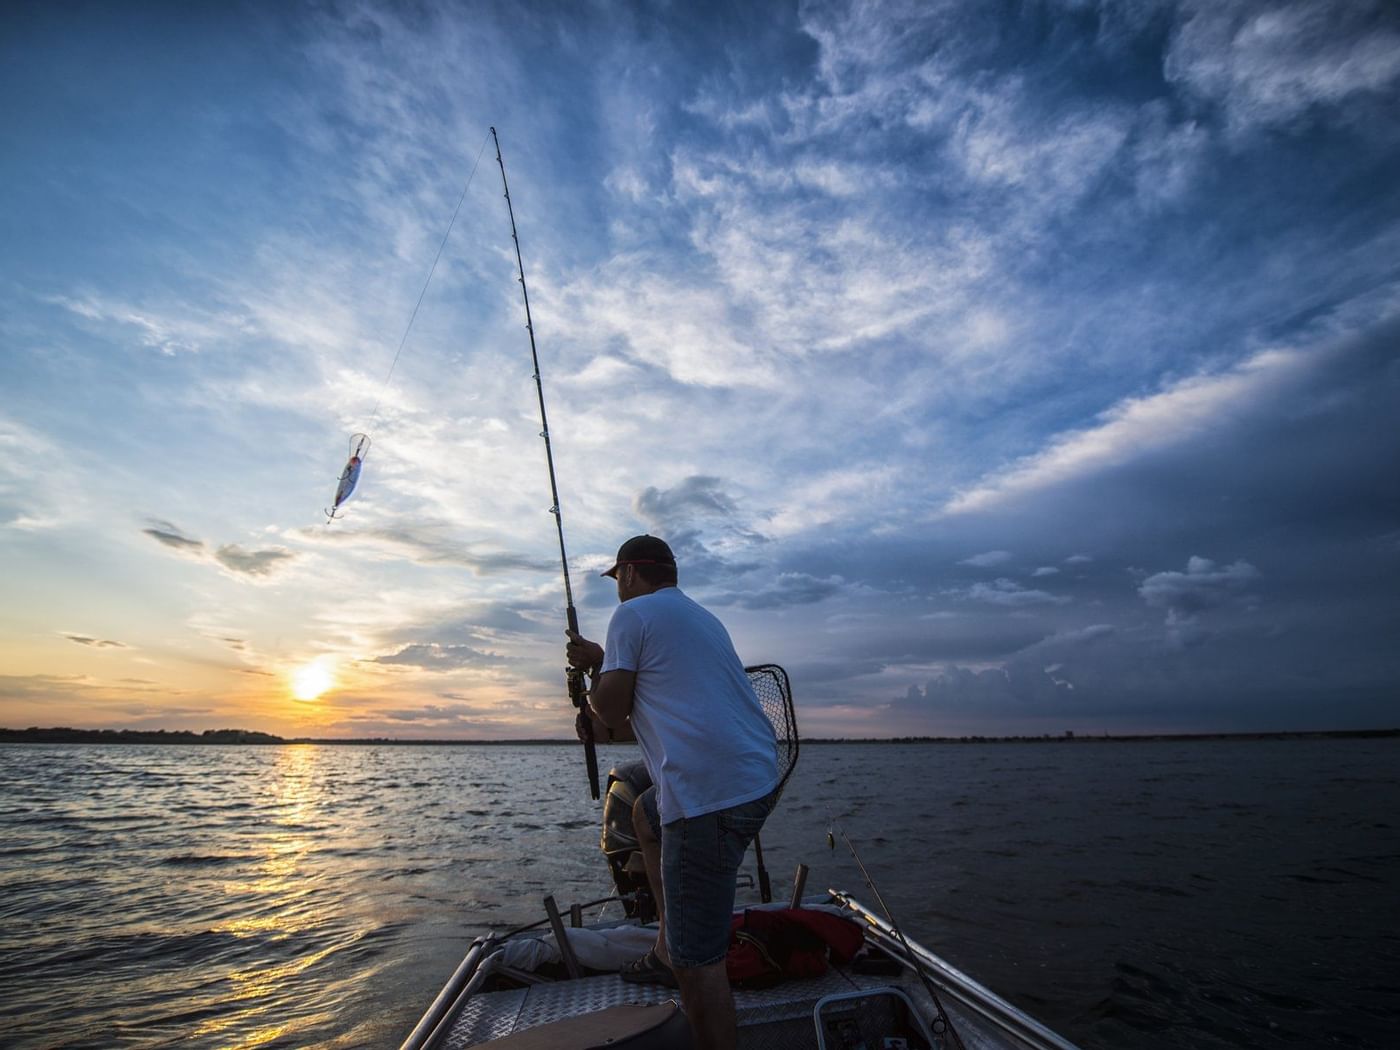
(778,1018)
(511,984)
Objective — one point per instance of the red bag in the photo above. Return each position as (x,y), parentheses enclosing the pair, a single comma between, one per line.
(768,946)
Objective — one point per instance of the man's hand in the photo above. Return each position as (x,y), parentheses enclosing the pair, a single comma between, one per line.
(588,719)
(583,654)
(603,733)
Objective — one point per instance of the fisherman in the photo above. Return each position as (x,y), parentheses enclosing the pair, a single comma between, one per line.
(670,679)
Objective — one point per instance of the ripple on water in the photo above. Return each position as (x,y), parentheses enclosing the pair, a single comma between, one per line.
(239,890)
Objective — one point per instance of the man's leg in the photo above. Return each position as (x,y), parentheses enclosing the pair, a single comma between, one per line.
(651,856)
(709,1005)
(700,858)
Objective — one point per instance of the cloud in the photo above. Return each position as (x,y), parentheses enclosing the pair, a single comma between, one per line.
(170,335)
(1013,689)
(1269,64)
(432,656)
(96,643)
(1011,594)
(788,589)
(698,496)
(701,522)
(1082,635)
(242,563)
(1134,427)
(37,488)
(1202,586)
(987,560)
(171,536)
(252,563)
(438,715)
(1045,570)
(430,543)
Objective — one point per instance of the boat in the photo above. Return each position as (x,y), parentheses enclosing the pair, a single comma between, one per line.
(553,984)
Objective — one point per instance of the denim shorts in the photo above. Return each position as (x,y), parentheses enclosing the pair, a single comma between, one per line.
(700,860)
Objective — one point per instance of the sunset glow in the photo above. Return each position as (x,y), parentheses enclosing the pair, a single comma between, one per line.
(311,681)
(993,372)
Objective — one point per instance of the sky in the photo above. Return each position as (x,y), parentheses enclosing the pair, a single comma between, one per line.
(994,368)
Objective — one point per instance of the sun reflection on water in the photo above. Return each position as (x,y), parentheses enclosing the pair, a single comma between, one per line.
(286,905)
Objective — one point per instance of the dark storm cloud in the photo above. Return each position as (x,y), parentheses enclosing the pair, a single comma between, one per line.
(1186,595)
(1247,559)
(786,589)
(699,495)
(702,523)
(1012,594)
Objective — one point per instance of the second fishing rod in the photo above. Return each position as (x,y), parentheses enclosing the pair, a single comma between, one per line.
(578,693)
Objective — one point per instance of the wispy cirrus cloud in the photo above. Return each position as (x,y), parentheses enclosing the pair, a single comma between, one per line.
(1135,427)
(1268,65)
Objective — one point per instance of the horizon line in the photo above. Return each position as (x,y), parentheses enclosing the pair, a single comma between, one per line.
(254,737)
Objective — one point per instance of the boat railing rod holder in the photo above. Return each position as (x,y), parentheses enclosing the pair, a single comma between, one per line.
(562,937)
(428,1024)
(967,992)
(799,883)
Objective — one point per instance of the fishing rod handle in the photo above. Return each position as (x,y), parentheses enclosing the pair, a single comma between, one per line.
(579,695)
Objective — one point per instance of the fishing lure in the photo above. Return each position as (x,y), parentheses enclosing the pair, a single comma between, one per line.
(350,476)
(359,443)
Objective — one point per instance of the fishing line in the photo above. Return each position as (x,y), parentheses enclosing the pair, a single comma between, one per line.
(942,1025)
(431,270)
(360,442)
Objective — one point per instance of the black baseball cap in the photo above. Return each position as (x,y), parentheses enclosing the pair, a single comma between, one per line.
(642,550)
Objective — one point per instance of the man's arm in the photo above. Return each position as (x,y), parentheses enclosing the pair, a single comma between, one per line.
(611,699)
(611,695)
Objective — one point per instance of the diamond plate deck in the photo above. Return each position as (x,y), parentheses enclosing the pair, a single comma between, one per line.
(491,1015)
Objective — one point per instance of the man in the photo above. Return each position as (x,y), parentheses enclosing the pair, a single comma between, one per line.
(669,677)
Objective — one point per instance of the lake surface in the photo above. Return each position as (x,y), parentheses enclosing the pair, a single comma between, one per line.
(1154,894)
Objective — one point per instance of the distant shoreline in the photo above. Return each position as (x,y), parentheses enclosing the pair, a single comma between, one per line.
(244,737)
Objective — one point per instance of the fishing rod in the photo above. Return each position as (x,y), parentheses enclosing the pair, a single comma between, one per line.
(942,1025)
(578,692)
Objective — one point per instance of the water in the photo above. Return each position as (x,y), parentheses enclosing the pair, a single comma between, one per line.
(1202,894)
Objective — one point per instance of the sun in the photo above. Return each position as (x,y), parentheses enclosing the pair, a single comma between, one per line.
(311,681)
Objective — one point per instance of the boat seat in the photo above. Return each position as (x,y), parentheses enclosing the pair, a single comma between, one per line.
(631,1026)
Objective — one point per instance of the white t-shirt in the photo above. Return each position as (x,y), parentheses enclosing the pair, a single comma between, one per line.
(702,732)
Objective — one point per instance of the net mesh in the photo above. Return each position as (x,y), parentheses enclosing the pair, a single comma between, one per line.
(770,683)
